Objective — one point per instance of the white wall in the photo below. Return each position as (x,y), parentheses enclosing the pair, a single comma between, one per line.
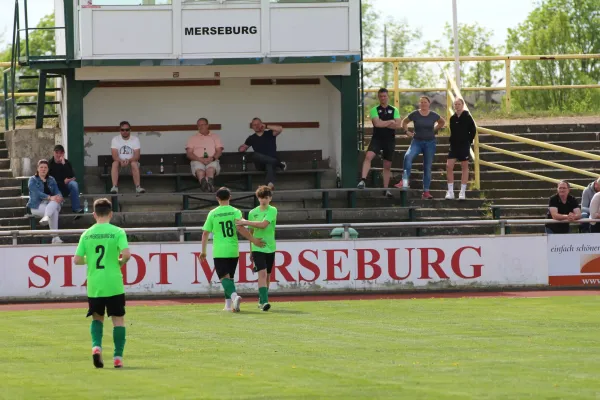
(233,105)
(59,20)
(182,31)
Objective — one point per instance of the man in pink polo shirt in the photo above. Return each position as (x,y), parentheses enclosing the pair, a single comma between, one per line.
(204,150)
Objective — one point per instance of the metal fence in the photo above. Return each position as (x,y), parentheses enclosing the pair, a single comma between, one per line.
(181,231)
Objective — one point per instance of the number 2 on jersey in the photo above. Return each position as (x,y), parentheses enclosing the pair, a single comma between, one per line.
(227,228)
(100,250)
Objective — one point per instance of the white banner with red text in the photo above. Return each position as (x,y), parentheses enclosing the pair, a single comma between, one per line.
(300,266)
(574,260)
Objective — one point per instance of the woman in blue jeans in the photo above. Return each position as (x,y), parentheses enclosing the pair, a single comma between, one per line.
(427,123)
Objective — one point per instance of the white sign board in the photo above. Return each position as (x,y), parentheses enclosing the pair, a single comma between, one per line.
(574,260)
(303,266)
(220,31)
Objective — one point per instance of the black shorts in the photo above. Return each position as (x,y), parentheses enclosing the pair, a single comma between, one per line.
(385,145)
(263,261)
(114,305)
(226,266)
(460,151)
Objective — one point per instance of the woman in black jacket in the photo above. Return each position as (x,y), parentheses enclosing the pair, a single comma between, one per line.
(462,133)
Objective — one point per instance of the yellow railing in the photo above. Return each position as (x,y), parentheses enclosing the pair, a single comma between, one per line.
(453,91)
(395,61)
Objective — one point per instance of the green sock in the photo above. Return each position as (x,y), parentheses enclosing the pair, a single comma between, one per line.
(228,287)
(96,330)
(119,339)
(263,295)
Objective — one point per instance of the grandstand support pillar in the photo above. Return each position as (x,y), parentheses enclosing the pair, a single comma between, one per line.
(348,91)
(75,94)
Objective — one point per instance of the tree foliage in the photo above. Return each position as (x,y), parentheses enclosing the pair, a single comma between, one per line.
(558,27)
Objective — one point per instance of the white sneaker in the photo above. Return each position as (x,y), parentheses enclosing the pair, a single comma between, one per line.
(227,309)
(139,189)
(450,195)
(45,220)
(56,240)
(462,195)
(236,304)
(266,307)
(114,190)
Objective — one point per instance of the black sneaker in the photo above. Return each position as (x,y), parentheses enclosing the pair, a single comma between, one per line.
(283,165)
(79,214)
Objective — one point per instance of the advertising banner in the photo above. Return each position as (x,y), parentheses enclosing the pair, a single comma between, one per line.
(574,260)
(300,266)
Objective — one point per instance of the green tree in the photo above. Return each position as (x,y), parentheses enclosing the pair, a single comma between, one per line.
(41,42)
(558,27)
(473,40)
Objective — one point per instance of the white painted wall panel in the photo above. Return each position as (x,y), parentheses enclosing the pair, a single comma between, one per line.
(233,105)
(132,32)
(229,31)
(309,29)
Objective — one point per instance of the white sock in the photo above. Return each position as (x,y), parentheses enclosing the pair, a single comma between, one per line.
(227,303)
(451,187)
(234,296)
(463,188)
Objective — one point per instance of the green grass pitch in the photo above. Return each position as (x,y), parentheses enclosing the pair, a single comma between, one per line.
(466,348)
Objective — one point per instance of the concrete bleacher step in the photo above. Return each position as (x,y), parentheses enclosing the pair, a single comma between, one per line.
(16,201)
(5,163)
(11,222)
(527,183)
(6,173)
(542,201)
(450,213)
(11,212)
(516,146)
(497,175)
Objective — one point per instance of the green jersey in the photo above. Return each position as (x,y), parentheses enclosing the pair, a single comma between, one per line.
(221,223)
(267,234)
(101,245)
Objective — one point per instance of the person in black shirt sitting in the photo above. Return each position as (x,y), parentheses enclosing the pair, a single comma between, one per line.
(562,207)
(62,171)
(264,143)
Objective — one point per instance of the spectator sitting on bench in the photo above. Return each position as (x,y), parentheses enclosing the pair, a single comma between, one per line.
(204,150)
(125,151)
(44,198)
(62,171)
(264,143)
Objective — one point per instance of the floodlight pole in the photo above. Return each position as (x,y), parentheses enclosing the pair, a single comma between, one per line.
(456,53)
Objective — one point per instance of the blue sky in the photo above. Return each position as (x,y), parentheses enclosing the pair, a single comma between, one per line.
(427,15)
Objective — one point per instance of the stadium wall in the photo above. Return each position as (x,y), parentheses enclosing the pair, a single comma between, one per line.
(232,104)
(47,272)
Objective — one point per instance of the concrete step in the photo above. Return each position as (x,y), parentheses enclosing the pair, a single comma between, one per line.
(540,136)
(4,152)
(2,144)
(534,128)
(6,173)
(13,202)
(541,201)
(9,212)
(10,191)
(524,193)
(533,165)
(497,175)
(530,212)
(448,213)
(525,183)
(5,163)
(516,146)
(10,182)
(13,221)
(542,154)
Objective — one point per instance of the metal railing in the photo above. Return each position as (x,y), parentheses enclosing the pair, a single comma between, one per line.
(182,231)
(509,87)
(453,91)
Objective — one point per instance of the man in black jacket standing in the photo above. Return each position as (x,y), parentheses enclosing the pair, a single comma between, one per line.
(62,171)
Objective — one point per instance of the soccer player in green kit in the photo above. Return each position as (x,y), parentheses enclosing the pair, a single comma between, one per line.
(262,221)
(221,222)
(104,249)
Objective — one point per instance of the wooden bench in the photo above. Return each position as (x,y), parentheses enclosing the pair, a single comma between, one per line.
(177,167)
